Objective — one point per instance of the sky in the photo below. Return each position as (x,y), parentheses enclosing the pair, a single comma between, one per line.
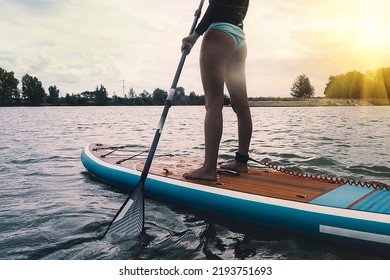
(78,45)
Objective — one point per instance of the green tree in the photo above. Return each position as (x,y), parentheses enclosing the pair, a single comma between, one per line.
(144,98)
(159,96)
(349,85)
(132,93)
(379,83)
(302,87)
(88,95)
(101,95)
(54,94)
(180,96)
(8,87)
(330,89)
(193,98)
(68,99)
(32,90)
(75,99)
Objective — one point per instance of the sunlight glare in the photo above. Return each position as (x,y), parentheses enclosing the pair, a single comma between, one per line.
(370,32)
(369,39)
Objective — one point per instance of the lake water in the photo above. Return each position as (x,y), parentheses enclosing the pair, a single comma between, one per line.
(51,208)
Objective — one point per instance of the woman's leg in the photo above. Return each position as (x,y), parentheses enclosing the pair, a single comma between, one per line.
(217,48)
(236,84)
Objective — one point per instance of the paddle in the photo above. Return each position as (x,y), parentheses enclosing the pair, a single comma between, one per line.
(130,218)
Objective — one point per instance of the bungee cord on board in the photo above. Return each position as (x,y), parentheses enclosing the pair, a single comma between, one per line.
(322,178)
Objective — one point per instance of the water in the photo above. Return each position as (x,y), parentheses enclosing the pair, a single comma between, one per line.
(51,208)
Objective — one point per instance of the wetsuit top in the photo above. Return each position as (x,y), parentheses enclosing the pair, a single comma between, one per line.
(230,11)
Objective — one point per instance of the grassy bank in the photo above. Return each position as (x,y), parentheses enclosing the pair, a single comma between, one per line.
(313,102)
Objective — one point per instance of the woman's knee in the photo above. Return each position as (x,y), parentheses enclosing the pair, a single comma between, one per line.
(215,103)
(240,106)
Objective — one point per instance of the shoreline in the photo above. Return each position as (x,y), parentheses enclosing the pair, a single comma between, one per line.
(253,102)
(315,102)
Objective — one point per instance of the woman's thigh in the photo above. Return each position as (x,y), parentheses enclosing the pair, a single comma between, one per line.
(216,52)
(236,78)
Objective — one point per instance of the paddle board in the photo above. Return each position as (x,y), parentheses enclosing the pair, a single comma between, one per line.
(263,197)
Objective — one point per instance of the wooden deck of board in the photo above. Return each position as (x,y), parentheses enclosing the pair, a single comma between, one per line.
(258,181)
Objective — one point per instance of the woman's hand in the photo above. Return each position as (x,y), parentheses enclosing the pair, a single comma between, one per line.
(189,41)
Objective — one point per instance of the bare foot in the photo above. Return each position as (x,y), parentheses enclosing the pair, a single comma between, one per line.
(201,174)
(235,166)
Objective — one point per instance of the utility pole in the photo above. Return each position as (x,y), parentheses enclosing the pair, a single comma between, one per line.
(124,87)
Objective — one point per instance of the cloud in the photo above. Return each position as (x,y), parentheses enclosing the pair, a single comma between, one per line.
(35,4)
(79,44)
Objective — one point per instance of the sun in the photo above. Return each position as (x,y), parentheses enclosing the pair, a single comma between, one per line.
(368,39)
(370,33)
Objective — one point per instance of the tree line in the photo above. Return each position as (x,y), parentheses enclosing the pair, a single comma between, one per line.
(32,93)
(374,84)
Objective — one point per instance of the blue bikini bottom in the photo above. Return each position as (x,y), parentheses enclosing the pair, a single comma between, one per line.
(232,30)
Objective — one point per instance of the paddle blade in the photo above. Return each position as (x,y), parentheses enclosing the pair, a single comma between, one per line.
(129,221)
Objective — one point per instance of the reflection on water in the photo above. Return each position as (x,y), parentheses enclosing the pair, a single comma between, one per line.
(53,209)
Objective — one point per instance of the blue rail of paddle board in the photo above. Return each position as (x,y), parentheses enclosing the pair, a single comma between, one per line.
(262,213)
(341,197)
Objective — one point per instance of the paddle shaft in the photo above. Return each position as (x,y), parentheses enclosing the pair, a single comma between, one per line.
(168,103)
